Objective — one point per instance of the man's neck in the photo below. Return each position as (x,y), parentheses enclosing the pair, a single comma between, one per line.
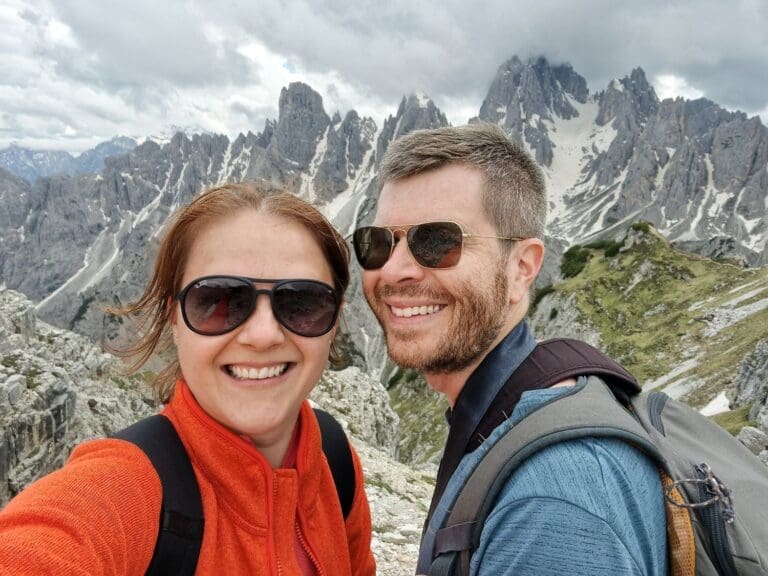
(452,383)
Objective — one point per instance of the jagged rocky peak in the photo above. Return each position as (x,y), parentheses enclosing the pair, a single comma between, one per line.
(301,123)
(347,143)
(416,112)
(265,136)
(523,94)
(522,91)
(678,119)
(631,99)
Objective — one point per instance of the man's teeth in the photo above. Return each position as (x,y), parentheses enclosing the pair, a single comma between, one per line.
(415,311)
(257,373)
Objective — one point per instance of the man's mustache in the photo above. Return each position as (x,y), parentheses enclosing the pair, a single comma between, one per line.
(411,291)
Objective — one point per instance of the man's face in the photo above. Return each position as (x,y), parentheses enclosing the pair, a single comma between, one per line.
(439,321)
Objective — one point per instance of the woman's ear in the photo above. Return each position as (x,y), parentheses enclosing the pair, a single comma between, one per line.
(173,319)
(334,354)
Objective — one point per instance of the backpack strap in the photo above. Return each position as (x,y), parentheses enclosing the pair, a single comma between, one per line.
(553,361)
(339,456)
(181,514)
(590,409)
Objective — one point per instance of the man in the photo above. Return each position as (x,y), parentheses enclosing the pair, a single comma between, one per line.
(448,267)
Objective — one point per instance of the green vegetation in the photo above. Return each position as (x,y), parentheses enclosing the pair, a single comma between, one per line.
(655,308)
(642,226)
(10,361)
(80,314)
(423,429)
(609,247)
(32,373)
(574,261)
(734,420)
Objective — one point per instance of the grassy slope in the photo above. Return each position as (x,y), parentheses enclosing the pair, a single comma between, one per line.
(658,309)
(423,428)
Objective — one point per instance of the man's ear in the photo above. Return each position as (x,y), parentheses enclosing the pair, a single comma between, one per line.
(523,266)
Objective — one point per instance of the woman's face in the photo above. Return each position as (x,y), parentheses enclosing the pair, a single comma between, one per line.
(254,378)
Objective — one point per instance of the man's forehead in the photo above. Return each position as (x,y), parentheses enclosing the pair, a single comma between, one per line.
(449,193)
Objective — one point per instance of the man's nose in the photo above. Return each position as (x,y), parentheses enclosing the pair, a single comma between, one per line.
(401,266)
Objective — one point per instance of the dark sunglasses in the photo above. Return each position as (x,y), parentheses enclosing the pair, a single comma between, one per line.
(215,305)
(432,244)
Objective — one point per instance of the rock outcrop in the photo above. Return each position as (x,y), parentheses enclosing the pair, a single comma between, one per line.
(751,385)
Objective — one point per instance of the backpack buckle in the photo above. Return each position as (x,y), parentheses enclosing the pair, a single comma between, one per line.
(718,491)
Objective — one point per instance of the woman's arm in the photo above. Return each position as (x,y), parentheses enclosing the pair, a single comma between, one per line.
(98,515)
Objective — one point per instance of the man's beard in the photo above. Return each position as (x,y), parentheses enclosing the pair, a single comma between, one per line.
(479,312)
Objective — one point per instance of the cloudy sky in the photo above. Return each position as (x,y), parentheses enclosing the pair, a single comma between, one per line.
(77,72)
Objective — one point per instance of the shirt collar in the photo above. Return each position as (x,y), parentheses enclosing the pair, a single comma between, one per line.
(484,383)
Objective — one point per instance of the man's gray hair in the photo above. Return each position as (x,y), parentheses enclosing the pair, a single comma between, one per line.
(514,195)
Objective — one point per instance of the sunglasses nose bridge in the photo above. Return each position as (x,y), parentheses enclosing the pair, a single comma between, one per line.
(261,328)
(401,265)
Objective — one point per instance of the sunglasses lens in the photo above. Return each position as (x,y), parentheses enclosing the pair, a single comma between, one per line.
(372,246)
(217,305)
(305,308)
(436,244)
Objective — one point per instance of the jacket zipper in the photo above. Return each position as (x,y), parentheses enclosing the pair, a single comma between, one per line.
(272,558)
(714,524)
(308,550)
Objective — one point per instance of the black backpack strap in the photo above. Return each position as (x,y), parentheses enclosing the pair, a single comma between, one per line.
(181,515)
(588,409)
(553,361)
(339,456)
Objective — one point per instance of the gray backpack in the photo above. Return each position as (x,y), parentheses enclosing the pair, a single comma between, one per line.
(716,491)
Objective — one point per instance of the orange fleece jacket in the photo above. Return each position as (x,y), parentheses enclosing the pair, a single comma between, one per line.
(99,514)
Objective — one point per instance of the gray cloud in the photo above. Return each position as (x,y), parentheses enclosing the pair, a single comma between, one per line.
(78,70)
(452,48)
(137,43)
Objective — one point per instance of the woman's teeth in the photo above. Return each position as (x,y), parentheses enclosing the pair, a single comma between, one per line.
(242,373)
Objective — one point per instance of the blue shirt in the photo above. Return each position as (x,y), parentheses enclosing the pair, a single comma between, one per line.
(592,506)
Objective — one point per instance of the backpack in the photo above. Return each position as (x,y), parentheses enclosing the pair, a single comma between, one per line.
(716,491)
(181,515)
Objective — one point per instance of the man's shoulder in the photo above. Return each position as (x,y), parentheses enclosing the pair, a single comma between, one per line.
(587,471)
(584,497)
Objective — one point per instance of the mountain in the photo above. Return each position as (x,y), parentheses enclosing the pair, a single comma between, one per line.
(33,164)
(58,389)
(93,234)
(694,170)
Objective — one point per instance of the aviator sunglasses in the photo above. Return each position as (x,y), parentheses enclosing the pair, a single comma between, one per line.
(432,244)
(215,305)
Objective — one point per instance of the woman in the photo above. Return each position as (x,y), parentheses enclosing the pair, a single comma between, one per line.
(248,284)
